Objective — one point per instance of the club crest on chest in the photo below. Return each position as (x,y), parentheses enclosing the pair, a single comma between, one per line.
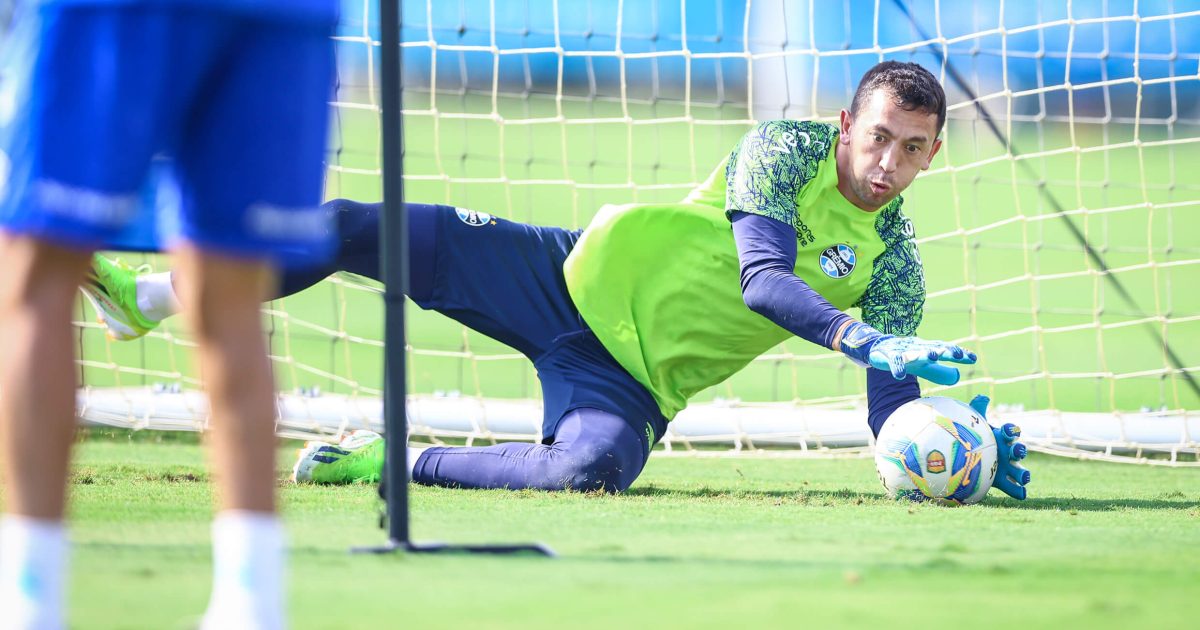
(838,261)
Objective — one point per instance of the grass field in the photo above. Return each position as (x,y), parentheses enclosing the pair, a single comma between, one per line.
(694,543)
(753,542)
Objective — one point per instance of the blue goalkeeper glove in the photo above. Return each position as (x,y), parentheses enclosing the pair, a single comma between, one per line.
(1011,477)
(904,355)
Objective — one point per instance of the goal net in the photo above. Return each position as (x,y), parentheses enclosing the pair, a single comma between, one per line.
(1057,225)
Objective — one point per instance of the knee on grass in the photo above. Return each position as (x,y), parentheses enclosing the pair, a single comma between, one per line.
(602,470)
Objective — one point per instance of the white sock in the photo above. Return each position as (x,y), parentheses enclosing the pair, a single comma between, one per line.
(248,572)
(33,568)
(156,296)
(413,454)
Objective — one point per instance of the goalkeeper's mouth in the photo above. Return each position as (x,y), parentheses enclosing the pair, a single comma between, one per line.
(879,187)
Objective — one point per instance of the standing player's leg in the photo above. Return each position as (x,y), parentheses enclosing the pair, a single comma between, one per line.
(37,424)
(77,155)
(232,355)
(226,294)
(250,174)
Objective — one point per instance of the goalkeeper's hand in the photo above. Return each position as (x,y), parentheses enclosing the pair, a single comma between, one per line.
(903,355)
(1011,477)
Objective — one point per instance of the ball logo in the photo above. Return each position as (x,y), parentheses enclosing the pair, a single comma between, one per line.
(838,261)
(935,462)
(471,217)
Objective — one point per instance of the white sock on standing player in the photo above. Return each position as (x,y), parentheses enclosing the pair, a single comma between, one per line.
(156,296)
(248,572)
(33,567)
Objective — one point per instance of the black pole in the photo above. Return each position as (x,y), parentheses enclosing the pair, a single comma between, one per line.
(393,241)
(393,253)
(1058,208)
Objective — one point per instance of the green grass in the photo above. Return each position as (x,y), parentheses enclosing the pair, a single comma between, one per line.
(695,543)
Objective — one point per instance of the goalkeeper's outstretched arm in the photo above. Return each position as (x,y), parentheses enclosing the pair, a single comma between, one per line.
(770,287)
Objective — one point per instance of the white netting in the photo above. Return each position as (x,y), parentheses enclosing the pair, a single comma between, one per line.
(542,111)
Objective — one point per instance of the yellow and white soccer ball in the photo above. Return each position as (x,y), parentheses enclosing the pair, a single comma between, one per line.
(937,449)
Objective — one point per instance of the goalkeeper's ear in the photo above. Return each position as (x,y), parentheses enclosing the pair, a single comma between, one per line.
(937,144)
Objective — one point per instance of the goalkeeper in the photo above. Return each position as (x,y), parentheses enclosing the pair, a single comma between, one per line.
(624,321)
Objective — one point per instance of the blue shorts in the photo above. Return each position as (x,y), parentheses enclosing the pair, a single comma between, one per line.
(505,280)
(238,102)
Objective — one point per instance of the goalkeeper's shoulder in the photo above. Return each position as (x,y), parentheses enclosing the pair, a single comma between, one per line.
(894,301)
(799,138)
(900,262)
(894,225)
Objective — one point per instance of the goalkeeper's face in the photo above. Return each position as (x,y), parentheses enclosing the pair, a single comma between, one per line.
(882,148)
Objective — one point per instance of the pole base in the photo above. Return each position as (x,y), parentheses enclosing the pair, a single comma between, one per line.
(394,546)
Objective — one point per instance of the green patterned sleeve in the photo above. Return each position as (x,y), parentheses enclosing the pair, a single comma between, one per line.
(772,163)
(895,298)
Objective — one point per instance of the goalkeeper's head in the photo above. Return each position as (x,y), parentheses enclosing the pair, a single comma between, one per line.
(890,132)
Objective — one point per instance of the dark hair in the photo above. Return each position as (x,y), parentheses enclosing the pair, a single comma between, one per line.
(911,86)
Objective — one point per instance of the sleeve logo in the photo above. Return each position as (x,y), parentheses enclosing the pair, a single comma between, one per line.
(838,261)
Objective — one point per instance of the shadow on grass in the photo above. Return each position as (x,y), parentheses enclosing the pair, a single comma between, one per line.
(1080,504)
(704,492)
(1170,501)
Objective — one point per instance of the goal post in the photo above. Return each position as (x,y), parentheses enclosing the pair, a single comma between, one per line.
(1060,248)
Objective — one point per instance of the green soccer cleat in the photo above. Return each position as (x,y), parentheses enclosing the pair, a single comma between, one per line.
(111,288)
(358,458)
